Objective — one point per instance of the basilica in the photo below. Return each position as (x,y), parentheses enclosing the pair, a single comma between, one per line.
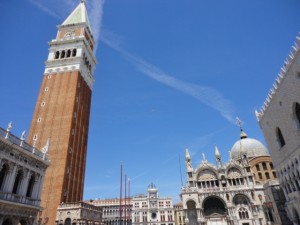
(227,193)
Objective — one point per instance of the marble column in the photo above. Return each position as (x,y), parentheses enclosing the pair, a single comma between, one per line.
(24,183)
(11,175)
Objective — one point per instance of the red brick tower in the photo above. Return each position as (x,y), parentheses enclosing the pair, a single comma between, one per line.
(62,111)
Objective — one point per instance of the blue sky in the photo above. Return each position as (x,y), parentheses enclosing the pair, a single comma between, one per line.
(171,75)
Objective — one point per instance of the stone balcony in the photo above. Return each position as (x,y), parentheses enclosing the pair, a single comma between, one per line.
(220,189)
(15,198)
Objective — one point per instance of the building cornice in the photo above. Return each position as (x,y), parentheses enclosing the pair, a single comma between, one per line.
(281,76)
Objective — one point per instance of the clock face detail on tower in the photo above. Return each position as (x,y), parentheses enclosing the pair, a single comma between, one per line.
(153,215)
(70,33)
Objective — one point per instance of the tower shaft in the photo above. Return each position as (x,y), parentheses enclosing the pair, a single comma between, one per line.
(62,112)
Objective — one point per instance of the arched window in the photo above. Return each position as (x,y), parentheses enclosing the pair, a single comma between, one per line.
(17,182)
(30,186)
(68,53)
(74,52)
(240,199)
(3,174)
(243,213)
(68,221)
(63,53)
(56,55)
(280,138)
(297,111)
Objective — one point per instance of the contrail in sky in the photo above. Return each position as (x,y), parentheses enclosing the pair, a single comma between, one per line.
(204,94)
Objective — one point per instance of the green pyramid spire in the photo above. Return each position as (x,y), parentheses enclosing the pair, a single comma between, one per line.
(79,15)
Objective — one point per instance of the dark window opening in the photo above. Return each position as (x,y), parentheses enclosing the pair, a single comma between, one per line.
(260,176)
(280,137)
(297,111)
(74,52)
(3,173)
(63,53)
(257,167)
(17,182)
(68,53)
(56,55)
(30,186)
(264,165)
(267,175)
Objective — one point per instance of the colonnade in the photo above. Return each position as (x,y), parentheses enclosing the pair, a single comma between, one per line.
(216,183)
(27,179)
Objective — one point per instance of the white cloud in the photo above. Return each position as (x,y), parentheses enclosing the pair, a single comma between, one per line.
(95,17)
(204,94)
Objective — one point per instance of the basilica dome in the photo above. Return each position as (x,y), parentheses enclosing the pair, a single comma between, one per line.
(250,146)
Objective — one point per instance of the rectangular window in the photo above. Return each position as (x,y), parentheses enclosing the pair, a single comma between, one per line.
(274,174)
(264,165)
(267,175)
(259,176)
(257,167)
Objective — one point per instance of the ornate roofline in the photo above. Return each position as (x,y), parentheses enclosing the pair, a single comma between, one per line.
(283,71)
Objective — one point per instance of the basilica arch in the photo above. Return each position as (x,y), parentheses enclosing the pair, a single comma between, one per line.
(241,199)
(214,206)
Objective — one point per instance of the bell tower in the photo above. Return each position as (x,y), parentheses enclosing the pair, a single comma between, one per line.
(62,111)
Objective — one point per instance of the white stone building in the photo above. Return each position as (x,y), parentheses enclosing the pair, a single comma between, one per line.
(111,210)
(151,209)
(78,213)
(225,194)
(279,119)
(22,169)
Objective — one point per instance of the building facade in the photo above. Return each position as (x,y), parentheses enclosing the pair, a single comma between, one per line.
(279,119)
(79,213)
(274,205)
(265,173)
(225,194)
(111,210)
(151,209)
(62,111)
(179,214)
(22,169)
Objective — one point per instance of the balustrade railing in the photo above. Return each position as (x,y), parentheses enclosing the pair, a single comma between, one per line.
(10,197)
(17,141)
